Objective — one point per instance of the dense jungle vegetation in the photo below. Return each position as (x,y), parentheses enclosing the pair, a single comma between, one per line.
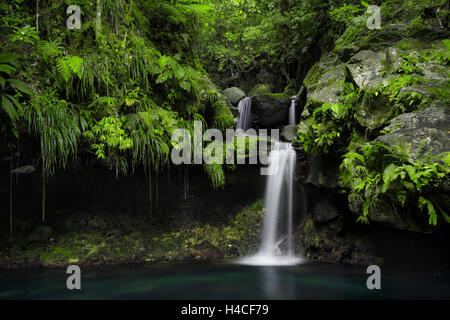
(117,88)
(114,91)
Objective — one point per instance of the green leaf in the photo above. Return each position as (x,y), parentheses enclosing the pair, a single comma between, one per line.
(7,69)
(161,78)
(365,4)
(446,43)
(8,106)
(21,86)
(179,73)
(8,58)
(185,85)
(64,69)
(162,61)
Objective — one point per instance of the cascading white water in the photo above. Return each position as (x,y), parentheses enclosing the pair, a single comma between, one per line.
(277,239)
(245,119)
(292,112)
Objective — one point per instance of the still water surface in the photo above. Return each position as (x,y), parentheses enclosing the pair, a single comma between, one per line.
(221,280)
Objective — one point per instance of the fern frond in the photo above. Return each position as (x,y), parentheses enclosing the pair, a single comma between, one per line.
(64,69)
(48,49)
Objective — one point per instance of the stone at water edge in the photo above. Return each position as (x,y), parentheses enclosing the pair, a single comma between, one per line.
(289,132)
(24,170)
(41,233)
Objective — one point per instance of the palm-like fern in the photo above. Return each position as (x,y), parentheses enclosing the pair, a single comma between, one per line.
(70,66)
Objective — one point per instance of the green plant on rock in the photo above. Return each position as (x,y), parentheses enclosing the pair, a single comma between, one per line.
(401,100)
(379,169)
(331,122)
(409,64)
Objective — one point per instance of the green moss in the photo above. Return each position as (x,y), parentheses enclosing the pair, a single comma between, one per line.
(237,236)
(276,95)
(441,93)
(260,89)
(313,76)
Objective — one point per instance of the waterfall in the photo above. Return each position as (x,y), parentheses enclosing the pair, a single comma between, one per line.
(292,113)
(245,118)
(277,233)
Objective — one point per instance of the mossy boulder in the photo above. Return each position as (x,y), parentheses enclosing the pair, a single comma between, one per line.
(436,116)
(374,112)
(234,94)
(418,142)
(393,59)
(381,211)
(421,134)
(323,238)
(325,87)
(289,132)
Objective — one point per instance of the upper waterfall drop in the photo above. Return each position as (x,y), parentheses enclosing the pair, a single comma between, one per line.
(245,117)
(292,112)
(277,234)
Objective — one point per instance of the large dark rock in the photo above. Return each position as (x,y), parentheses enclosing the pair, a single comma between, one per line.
(328,242)
(324,212)
(322,171)
(269,111)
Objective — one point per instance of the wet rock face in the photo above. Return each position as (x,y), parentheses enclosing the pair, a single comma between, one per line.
(322,171)
(234,94)
(269,111)
(323,237)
